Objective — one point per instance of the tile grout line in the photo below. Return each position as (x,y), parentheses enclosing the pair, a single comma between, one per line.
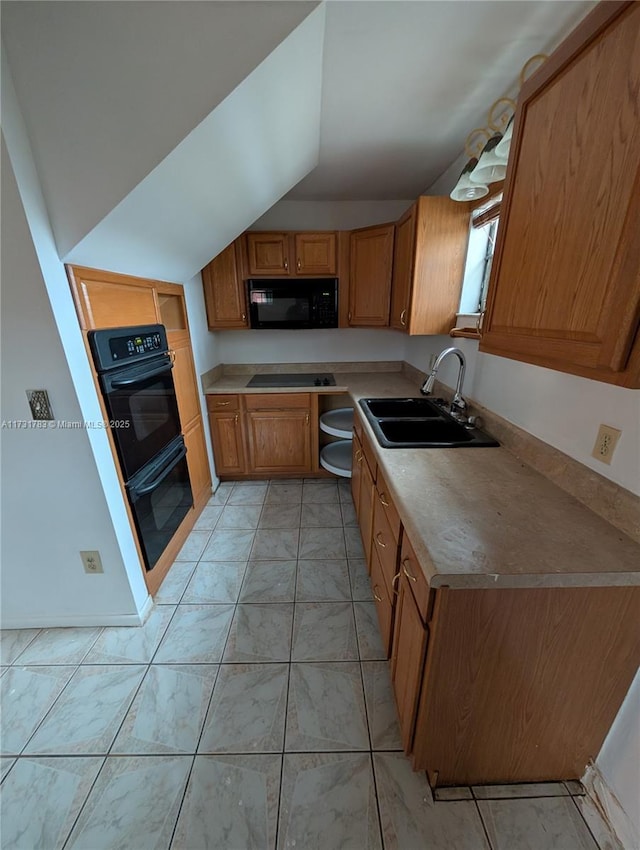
(482,823)
(84,803)
(584,820)
(24,649)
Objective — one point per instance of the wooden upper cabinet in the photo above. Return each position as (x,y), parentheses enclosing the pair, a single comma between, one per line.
(565,283)
(109,300)
(268,253)
(428,265)
(371,259)
(405,238)
(315,253)
(224,292)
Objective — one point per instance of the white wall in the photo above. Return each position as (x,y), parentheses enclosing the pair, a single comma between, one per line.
(105,517)
(204,345)
(563,410)
(329,215)
(52,499)
(310,346)
(619,764)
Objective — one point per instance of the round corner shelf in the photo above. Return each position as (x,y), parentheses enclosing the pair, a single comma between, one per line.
(338,423)
(336,458)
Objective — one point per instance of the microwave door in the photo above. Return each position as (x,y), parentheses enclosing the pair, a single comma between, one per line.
(280,307)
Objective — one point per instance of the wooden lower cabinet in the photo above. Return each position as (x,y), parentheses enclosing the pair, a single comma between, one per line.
(279,440)
(384,605)
(365,510)
(407,662)
(357,459)
(197,461)
(228,442)
(263,434)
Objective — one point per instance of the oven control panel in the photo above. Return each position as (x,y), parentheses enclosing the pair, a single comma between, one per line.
(113,347)
(124,347)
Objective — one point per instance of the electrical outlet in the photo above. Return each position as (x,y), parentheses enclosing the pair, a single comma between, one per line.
(39,404)
(91,562)
(606,443)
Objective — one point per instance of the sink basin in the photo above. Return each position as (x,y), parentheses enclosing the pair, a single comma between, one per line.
(403,407)
(433,431)
(412,423)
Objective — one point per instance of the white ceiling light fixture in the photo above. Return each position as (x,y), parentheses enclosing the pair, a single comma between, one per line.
(489,165)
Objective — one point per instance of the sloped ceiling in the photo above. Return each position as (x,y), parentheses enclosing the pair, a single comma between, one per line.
(109,89)
(258,143)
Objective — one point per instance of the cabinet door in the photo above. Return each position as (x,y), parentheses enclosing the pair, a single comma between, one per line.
(384,607)
(268,253)
(107,304)
(367,490)
(403,253)
(228,445)
(224,293)
(407,663)
(565,284)
(315,253)
(357,459)
(198,462)
(371,259)
(184,378)
(279,440)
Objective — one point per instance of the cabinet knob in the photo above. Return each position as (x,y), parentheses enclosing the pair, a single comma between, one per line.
(235,418)
(349,315)
(306,419)
(406,572)
(394,583)
(244,317)
(403,317)
(286,265)
(298,264)
(375,594)
(223,403)
(383,500)
(380,540)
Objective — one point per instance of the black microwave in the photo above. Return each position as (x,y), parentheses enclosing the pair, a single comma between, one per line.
(293,302)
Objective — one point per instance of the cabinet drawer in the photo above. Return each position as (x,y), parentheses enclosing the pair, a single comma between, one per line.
(223,402)
(384,608)
(384,543)
(277,401)
(390,511)
(410,568)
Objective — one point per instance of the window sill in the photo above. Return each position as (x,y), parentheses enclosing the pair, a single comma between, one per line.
(465,333)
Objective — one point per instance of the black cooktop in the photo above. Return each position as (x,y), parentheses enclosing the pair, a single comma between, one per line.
(299,379)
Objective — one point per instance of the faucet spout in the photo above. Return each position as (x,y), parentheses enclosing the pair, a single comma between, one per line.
(458,405)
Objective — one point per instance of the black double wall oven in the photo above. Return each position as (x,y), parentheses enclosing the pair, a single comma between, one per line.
(134,366)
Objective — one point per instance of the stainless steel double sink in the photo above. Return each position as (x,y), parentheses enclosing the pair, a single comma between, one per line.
(412,423)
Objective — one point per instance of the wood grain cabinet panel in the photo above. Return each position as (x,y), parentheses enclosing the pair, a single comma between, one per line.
(371,259)
(184,379)
(565,284)
(268,253)
(384,606)
(357,459)
(429,255)
(315,253)
(228,442)
(279,440)
(109,305)
(198,461)
(224,292)
(407,664)
(365,516)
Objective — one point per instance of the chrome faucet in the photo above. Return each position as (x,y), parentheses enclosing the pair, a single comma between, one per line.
(458,405)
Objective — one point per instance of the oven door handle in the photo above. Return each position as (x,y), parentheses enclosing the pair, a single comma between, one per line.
(148,488)
(127,383)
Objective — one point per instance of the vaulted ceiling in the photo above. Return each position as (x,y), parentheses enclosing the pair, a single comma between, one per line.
(162,130)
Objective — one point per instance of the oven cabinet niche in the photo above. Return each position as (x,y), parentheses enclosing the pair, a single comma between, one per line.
(370,265)
(428,265)
(227,435)
(279,432)
(224,289)
(565,283)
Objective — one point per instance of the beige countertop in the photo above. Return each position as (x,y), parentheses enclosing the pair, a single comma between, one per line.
(479,517)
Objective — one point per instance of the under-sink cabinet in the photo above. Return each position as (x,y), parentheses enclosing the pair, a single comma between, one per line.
(492,685)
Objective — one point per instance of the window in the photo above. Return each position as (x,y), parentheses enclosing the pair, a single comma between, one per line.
(481,245)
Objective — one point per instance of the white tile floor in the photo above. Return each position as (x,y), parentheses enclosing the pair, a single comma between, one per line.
(253,710)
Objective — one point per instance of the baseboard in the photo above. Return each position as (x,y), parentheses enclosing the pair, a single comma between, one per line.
(42,621)
(610,809)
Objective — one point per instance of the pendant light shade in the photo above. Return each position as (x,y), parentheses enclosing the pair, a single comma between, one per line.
(464,189)
(502,148)
(490,168)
